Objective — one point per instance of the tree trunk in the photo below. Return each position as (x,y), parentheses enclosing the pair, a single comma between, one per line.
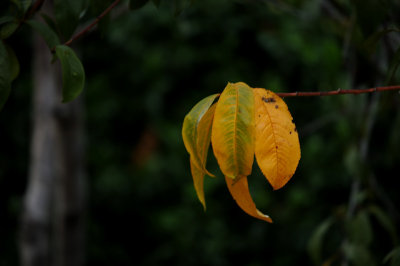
(52,219)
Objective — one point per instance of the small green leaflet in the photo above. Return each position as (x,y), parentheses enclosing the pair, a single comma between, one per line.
(46,32)
(73,74)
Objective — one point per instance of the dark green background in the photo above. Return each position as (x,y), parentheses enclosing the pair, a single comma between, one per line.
(146,68)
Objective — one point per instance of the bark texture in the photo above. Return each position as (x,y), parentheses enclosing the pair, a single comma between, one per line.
(52,228)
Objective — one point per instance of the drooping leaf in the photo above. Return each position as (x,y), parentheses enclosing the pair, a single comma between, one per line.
(359,255)
(202,145)
(49,36)
(316,241)
(73,74)
(190,131)
(14,64)
(394,65)
(372,41)
(239,190)
(232,134)
(360,230)
(204,137)
(277,146)
(5,75)
(50,22)
(136,4)
(393,257)
(385,221)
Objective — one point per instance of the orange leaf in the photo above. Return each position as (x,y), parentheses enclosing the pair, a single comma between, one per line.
(277,146)
(239,190)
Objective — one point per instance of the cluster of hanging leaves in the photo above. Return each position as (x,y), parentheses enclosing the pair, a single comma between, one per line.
(242,124)
(56,27)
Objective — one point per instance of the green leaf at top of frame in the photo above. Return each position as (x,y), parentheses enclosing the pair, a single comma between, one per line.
(22,5)
(49,36)
(67,14)
(73,74)
(136,4)
(5,75)
(8,29)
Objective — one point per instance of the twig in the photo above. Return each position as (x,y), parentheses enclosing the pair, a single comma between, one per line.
(35,7)
(91,25)
(336,92)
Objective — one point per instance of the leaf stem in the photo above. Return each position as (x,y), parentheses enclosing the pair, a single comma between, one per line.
(337,92)
(91,25)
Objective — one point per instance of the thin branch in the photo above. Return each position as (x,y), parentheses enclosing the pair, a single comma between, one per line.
(35,7)
(336,92)
(91,25)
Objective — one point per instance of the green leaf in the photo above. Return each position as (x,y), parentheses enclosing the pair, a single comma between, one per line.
(8,29)
(67,14)
(196,134)
(190,132)
(372,41)
(393,257)
(14,64)
(136,4)
(233,132)
(384,221)
(6,19)
(73,74)
(50,22)
(5,75)
(360,230)
(394,64)
(46,32)
(358,255)
(315,243)
(25,4)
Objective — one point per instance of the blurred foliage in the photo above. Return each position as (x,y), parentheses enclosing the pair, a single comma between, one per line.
(146,68)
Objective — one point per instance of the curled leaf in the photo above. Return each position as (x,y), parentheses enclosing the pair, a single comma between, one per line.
(232,134)
(239,190)
(196,133)
(190,131)
(277,146)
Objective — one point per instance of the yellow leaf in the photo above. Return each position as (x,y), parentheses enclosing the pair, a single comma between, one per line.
(239,190)
(196,133)
(203,143)
(189,129)
(198,181)
(204,137)
(232,134)
(277,146)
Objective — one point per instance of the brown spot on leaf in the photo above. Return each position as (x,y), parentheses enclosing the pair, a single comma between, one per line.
(276,106)
(269,100)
